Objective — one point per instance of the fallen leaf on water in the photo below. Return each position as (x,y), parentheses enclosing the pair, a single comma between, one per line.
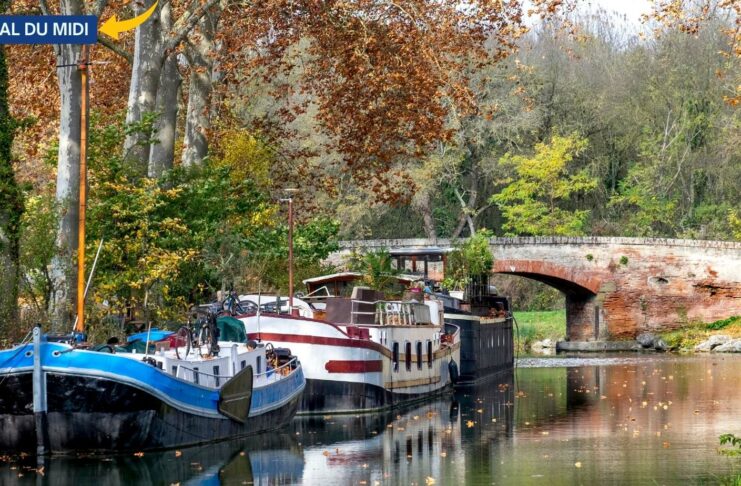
(178,453)
(429,480)
(443,454)
(545,432)
(469,424)
(666,444)
(139,454)
(325,453)
(40,470)
(577,464)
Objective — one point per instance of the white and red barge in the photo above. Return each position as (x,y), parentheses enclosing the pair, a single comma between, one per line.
(361,355)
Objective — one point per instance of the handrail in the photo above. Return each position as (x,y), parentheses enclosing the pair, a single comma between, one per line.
(273,370)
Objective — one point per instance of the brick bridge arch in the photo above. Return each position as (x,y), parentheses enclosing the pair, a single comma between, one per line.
(579,289)
(615,287)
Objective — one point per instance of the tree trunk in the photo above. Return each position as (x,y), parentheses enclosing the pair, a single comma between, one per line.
(422,203)
(162,151)
(197,120)
(63,268)
(145,79)
(11,208)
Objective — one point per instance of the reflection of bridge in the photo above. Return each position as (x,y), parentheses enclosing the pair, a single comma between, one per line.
(617,287)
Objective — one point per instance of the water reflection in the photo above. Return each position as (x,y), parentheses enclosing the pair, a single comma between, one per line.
(270,459)
(634,420)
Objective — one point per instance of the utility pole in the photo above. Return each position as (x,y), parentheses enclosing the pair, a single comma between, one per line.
(83,67)
(289,200)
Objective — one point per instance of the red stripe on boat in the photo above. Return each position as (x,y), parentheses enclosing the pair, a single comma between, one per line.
(327,341)
(338,366)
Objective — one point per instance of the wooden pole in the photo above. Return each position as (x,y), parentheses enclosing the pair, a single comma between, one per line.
(290,254)
(82,66)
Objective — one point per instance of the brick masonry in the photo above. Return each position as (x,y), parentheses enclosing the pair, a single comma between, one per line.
(617,287)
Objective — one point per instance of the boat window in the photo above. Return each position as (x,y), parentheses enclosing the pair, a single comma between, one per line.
(175,370)
(216,375)
(195,375)
(259,365)
(395,356)
(429,353)
(408,355)
(419,355)
(242,364)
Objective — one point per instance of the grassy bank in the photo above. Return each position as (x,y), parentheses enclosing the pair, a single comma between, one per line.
(538,325)
(693,334)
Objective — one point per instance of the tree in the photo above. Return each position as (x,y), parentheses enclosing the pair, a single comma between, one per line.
(377,268)
(532,201)
(11,205)
(468,260)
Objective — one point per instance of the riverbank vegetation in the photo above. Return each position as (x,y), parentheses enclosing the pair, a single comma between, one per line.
(535,326)
(689,336)
(578,125)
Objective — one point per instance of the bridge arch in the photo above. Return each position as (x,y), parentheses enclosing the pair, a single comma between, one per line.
(579,288)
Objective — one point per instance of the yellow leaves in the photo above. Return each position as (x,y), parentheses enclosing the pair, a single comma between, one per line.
(577,464)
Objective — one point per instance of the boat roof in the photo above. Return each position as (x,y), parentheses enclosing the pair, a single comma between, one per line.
(334,277)
(350,276)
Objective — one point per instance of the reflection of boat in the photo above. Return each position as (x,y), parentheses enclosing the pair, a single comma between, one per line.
(440,439)
(364,353)
(275,459)
(56,398)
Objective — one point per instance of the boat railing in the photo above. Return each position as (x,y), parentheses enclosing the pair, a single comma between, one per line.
(282,370)
(215,381)
(392,313)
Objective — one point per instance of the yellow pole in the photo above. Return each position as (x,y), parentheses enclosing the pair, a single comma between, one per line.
(82,66)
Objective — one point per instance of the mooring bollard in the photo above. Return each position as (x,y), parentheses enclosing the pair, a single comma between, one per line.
(39,396)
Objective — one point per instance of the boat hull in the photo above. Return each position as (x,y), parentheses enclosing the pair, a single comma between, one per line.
(346,374)
(96,414)
(329,396)
(66,400)
(486,345)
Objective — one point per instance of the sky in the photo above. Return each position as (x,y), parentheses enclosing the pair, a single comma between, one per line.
(632,9)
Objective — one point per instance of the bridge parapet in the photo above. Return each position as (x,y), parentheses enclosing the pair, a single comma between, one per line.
(543,240)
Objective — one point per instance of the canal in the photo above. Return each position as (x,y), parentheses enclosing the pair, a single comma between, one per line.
(627,419)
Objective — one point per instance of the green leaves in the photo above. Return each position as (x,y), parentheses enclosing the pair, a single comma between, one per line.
(537,199)
(469,259)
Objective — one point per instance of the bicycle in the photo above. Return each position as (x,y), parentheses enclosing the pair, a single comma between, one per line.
(204,333)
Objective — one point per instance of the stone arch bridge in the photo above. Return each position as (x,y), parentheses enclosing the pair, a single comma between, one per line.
(615,287)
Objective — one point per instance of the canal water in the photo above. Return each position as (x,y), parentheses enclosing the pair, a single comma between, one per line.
(628,419)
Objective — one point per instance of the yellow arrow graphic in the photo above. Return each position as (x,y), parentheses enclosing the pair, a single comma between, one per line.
(112,27)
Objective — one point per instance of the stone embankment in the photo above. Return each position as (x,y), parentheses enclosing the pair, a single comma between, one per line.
(719,343)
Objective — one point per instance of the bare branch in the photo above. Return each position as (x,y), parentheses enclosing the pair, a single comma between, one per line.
(186,23)
(115,48)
